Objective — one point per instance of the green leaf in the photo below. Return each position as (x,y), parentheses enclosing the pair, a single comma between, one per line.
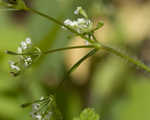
(88,114)
(21,5)
(99,25)
(13,5)
(76,65)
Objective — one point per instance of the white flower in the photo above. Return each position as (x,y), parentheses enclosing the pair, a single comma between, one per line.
(77,11)
(38,117)
(70,23)
(42,98)
(35,107)
(67,22)
(23,45)
(27,53)
(13,66)
(81,21)
(74,24)
(28,41)
(34,113)
(81,25)
(27,61)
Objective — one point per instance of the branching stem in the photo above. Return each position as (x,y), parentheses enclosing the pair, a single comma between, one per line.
(60,23)
(68,48)
(52,51)
(94,42)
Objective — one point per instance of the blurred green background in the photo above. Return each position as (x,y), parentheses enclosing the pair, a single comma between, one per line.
(117,89)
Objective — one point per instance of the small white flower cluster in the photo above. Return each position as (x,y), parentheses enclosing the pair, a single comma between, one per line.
(38,113)
(13,66)
(25,45)
(78,10)
(27,61)
(81,25)
(24,58)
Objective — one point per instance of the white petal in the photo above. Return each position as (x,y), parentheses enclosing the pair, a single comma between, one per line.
(14,67)
(28,41)
(76,12)
(23,45)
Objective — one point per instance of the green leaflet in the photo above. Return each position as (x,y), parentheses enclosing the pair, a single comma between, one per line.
(76,65)
(88,114)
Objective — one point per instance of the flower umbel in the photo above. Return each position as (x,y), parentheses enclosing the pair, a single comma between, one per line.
(83,25)
(15,70)
(26,55)
(45,109)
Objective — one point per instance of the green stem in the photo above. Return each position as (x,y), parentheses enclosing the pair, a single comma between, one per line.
(126,57)
(77,64)
(36,101)
(59,23)
(92,52)
(95,43)
(68,48)
(52,51)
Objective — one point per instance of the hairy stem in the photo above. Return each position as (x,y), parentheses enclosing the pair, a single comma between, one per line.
(95,42)
(126,57)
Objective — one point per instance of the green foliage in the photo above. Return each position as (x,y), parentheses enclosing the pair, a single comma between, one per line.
(44,109)
(13,4)
(88,114)
(48,108)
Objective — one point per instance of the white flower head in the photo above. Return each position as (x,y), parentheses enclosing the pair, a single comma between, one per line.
(38,117)
(27,53)
(13,66)
(81,25)
(35,106)
(81,21)
(27,61)
(68,22)
(23,45)
(42,98)
(28,41)
(80,11)
(77,11)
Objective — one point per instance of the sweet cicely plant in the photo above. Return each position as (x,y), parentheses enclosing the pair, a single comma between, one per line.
(27,53)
